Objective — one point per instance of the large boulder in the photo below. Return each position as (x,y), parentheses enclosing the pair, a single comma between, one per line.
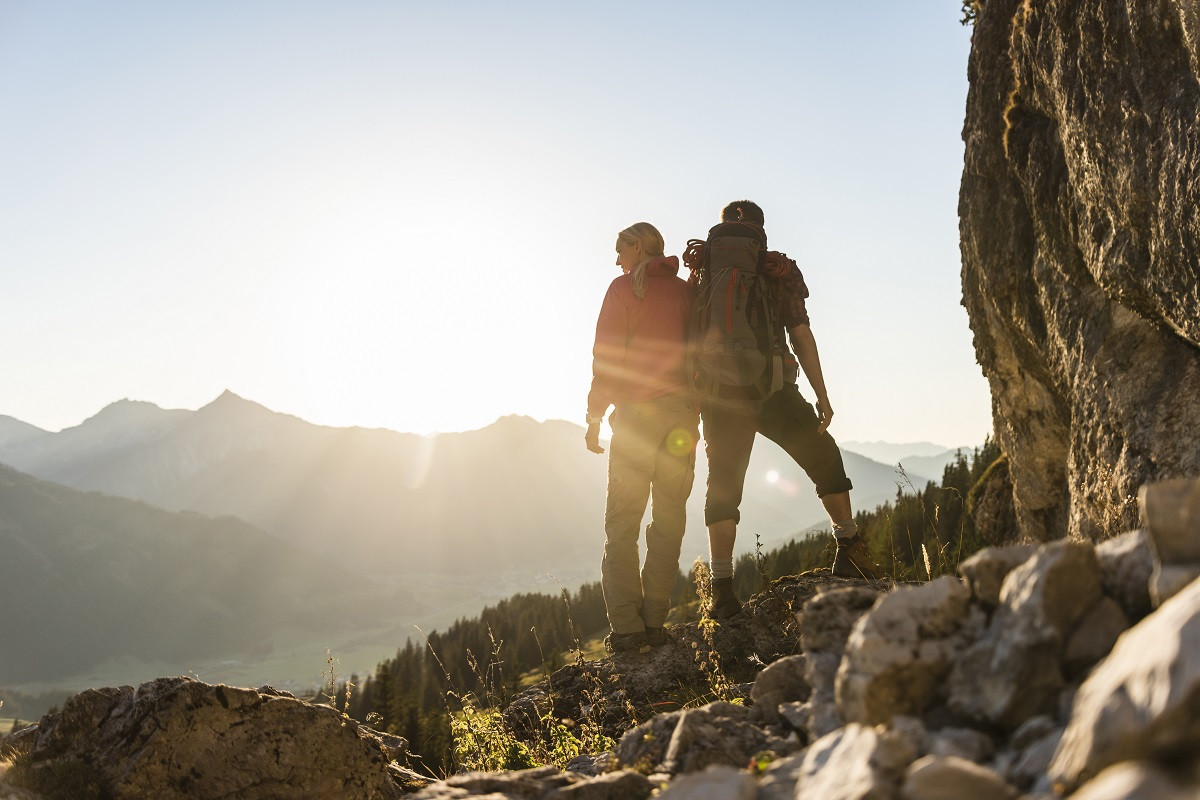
(899,652)
(825,623)
(1015,671)
(1139,703)
(857,762)
(1081,251)
(179,739)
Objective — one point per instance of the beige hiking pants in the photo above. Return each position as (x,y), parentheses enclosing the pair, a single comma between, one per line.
(652,456)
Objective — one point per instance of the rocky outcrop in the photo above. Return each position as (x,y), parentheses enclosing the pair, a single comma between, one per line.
(1081,251)
(179,738)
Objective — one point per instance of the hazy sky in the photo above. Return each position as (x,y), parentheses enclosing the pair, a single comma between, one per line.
(402,215)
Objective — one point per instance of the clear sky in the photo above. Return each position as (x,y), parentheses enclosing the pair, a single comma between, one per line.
(402,215)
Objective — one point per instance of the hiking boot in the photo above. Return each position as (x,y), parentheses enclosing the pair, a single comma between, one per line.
(724,603)
(625,643)
(853,561)
(657,637)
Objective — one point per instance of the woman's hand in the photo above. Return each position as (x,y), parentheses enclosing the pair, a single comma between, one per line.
(592,438)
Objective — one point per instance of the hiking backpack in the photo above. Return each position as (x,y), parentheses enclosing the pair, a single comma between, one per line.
(734,343)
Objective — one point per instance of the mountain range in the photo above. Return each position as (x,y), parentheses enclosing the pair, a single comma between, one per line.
(87,578)
(516,497)
(174,535)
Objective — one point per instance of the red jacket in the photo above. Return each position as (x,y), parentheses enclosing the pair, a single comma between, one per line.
(641,343)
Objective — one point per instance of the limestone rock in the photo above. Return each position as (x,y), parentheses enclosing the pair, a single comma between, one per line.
(856,762)
(949,778)
(525,783)
(1080,252)
(1094,636)
(623,785)
(1140,701)
(179,738)
(964,743)
(899,652)
(1172,513)
(778,780)
(825,623)
(716,734)
(645,746)
(985,571)
(1168,580)
(1133,780)
(1028,756)
(1125,566)
(1014,671)
(715,783)
(782,681)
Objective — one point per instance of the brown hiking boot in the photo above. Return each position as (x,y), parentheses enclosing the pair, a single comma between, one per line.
(725,604)
(853,561)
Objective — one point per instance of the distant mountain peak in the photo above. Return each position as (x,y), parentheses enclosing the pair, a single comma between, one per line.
(124,409)
(229,400)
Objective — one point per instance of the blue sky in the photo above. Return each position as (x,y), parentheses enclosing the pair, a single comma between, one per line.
(402,215)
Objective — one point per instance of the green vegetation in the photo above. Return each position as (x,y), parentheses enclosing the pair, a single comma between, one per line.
(444,696)
(59,779)
(970,11)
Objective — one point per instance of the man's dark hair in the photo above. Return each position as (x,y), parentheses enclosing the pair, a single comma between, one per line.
(742,211)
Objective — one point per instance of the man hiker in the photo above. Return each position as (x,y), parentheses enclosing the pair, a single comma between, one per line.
(746,376)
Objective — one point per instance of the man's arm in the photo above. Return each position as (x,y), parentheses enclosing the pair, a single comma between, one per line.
(805,347)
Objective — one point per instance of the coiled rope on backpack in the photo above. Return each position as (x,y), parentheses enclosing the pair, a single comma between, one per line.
(693,258)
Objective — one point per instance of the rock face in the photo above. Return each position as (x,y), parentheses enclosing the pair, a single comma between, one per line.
(1081,251)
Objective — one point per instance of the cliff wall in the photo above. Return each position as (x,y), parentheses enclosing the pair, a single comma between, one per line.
(1080,243)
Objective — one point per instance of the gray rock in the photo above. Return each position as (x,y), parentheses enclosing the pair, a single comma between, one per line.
(825,622)
(717,734)
(796,715)
(1032,730)
(1094,636)
(1014,672)
(645,747)
(985,571)
(782,681)
(1025,765)
(856,762)
(965,743)
(826,619)
(1168,580)
(1171,510)
(179,738)
(1125,566)
(1135,780)
(715,783)
(1139,702)
(528,784)
(623,785)
(936,777)
(899,652)
(1080,252)
(778,780)
(591,764)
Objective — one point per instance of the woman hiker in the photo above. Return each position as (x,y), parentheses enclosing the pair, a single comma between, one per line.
(638,367)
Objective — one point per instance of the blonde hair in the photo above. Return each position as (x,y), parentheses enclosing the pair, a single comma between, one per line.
(652,243)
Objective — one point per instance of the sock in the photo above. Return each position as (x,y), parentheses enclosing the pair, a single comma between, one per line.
(721,567)
(846,529)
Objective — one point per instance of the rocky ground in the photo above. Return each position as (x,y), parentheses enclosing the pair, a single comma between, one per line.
(1063,669)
